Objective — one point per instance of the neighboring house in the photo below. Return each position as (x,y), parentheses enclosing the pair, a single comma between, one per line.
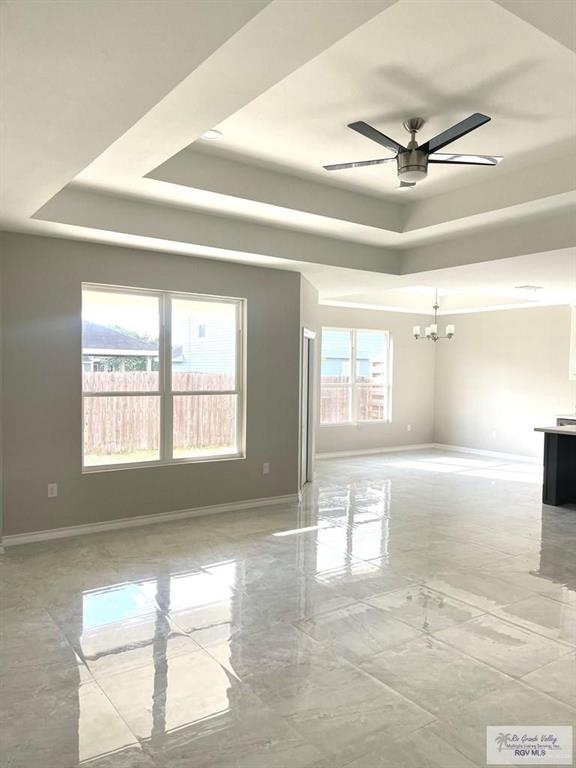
(202,347)
(340,366)
(336,357)
(113,349)
(205,346)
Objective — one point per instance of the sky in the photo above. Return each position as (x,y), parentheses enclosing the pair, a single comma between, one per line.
(140,313)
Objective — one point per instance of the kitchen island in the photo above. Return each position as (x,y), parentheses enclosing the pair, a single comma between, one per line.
(559,465)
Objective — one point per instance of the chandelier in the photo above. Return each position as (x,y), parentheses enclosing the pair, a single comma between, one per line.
(431,331)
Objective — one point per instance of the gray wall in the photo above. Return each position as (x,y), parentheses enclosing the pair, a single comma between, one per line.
(503,373)
(41,306)
(412,386)
(1,421)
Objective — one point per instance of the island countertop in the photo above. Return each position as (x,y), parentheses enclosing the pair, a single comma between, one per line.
(568,429)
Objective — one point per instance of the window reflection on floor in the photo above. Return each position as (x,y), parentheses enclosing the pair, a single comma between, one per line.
(529,472)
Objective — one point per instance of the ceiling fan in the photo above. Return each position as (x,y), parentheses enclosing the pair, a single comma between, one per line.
(412,160)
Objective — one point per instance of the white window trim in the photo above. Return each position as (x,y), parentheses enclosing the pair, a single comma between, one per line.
(353,386)
(164,392)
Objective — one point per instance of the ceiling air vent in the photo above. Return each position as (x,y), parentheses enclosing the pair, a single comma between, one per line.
(532,288)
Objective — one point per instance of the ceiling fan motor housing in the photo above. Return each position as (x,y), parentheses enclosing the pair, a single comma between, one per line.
(412,165)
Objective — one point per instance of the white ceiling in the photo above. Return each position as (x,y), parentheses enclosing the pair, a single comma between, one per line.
(436,60)
(76,75)
(105,105)
(475,287)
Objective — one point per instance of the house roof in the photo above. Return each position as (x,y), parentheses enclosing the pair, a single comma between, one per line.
(96,336)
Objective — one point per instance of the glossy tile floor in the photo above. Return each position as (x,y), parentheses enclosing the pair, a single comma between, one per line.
(411,600)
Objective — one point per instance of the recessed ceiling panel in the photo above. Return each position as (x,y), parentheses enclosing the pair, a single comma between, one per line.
(437,60)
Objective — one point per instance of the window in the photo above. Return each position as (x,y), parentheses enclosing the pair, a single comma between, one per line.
(162,377)
(355,376)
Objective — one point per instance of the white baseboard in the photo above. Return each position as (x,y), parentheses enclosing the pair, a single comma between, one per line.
(371,451)
(425,446)
(492,454)
(132,522)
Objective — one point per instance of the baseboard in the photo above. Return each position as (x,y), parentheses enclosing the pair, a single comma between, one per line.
(133,522)
(425,446)
(371,451)
(492,454)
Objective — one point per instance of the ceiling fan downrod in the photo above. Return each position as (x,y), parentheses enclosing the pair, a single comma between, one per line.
(412,162)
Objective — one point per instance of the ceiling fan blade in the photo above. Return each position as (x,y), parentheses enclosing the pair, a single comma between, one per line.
(360,164)
(455,132)
(371,133)
(439,157)
(406,184)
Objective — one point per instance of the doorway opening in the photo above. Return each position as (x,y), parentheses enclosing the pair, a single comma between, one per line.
(307,409)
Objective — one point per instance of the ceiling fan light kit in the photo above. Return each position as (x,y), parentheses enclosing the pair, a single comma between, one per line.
(412,160)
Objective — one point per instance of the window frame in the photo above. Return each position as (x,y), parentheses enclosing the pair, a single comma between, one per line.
(353,386)
(164,392)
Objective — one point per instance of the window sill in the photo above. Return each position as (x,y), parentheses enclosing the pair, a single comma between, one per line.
(151,464)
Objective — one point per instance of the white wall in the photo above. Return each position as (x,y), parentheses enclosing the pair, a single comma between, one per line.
(504,373)
(412,387)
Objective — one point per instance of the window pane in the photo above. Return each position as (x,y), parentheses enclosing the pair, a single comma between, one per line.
(371,357)
(204,425)
(371,403)
(203,345)
(335,402)
(336,351)
(120,348)
(121,430)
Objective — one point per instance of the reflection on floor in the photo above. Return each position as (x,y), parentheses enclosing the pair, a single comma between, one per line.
(411,600)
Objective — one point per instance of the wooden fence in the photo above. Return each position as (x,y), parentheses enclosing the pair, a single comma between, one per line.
(124,425)
(335,405)
(117,424)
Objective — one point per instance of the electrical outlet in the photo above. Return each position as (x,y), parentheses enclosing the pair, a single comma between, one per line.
(409,428)
(266,468)
(52,490)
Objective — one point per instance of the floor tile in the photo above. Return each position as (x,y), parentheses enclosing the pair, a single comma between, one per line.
(525,571)
(504,646)
(434,675)
(422,749)
(409,601)
(35,656)
(423,608)
(357,631)
(65,728)
(361,579)
(478,589)
(191,708)
(558,679)
(346,712)
(543,615)
(276,662)
(516,704)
